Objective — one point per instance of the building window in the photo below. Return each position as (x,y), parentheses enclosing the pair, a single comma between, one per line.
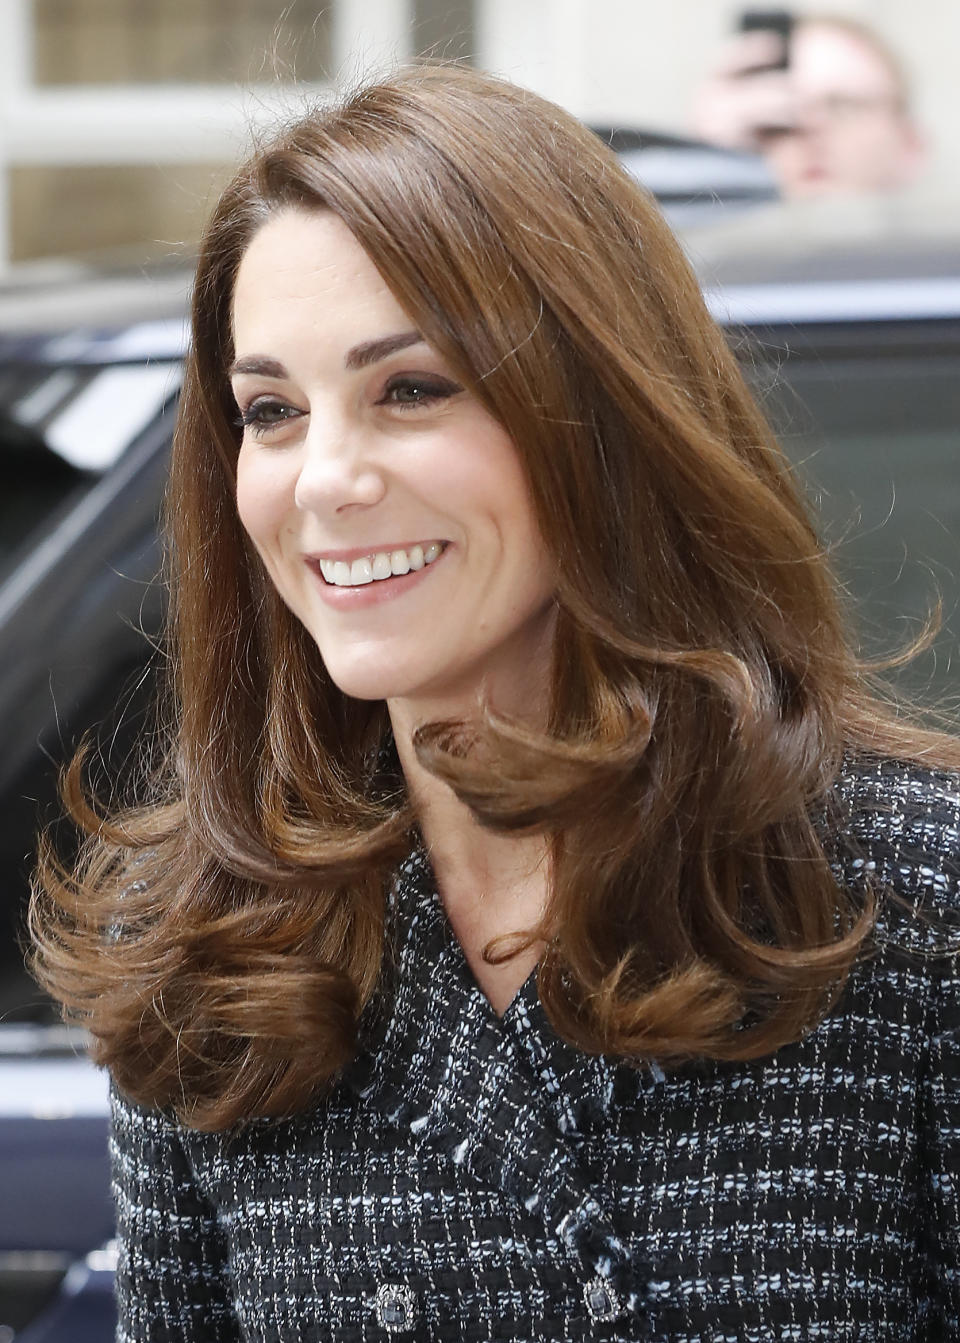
(119,211)
(155,42)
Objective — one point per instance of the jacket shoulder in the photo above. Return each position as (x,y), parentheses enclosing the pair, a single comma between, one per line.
(898,829)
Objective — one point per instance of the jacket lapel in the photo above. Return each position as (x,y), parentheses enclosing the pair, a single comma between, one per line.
(437,1061)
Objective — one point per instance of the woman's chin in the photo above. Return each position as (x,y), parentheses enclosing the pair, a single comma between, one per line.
(373,682)
(436,695)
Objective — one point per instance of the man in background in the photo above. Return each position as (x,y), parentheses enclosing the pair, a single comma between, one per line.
(823,98)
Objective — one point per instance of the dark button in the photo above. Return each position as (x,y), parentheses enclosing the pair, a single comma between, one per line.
(601,1300)
(396,1307)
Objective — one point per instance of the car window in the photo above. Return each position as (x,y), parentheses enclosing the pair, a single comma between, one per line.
(36,480)
(85,424)
(872,423)
(61,427)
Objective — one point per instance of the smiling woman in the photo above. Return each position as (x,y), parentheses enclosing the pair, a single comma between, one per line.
(360,453)
(540,926)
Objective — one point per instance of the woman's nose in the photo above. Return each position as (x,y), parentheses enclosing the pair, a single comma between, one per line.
(336,471)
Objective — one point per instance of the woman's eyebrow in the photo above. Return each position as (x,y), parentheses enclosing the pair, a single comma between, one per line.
(360,356)
(372,351)
(258,363)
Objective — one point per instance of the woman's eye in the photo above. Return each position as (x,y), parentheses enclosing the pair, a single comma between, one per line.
(409,391)
(262,416)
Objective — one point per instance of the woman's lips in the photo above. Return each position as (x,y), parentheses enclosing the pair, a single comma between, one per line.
(373,593)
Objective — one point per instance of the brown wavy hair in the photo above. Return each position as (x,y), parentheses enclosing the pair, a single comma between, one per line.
(221,938)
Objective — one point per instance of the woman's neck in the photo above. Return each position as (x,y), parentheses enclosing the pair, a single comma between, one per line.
(490,884)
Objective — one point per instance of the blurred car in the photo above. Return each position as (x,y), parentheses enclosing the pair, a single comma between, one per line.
(846,316)
(692,180)
(85,423)
(57,1216)
(847,321)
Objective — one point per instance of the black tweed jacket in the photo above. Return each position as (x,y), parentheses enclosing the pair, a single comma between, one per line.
(473,1178)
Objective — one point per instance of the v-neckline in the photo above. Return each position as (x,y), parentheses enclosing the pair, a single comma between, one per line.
(526,996)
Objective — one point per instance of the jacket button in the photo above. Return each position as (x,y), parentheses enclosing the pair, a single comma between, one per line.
(396,1307)
(601,1300)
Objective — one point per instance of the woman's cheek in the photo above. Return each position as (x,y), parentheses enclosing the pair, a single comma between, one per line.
(268,514)
(259,497)
(245,493)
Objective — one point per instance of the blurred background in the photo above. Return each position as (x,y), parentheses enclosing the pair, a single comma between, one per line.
(810,167)
(118,118)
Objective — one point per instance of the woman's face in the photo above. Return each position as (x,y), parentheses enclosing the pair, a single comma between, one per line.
(388,506)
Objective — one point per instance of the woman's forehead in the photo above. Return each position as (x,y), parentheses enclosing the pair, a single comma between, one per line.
(304,273)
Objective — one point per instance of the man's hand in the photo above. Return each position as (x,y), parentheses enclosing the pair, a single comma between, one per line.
(746,98)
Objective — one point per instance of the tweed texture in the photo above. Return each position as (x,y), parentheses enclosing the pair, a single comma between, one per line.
(474,1178)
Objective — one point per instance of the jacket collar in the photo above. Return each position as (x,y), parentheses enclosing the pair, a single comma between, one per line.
(502,1098)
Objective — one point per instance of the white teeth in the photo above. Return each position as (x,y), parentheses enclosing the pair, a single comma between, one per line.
(383,564)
